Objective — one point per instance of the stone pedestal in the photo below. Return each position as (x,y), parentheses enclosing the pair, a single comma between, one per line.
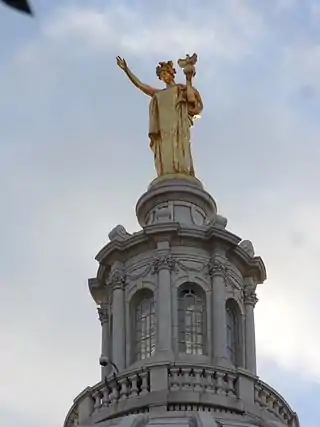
(176,200)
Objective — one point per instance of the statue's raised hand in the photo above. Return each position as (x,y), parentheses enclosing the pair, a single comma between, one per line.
(122,63)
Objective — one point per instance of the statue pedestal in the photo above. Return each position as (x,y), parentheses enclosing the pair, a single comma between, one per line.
(175,199)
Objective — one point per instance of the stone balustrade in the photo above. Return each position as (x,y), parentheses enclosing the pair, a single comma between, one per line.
(121,388)
(202,380)
(268,399)
(207,387)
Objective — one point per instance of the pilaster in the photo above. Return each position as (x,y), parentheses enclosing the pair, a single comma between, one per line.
(117,282)
(250,300)
(104,317)
(162,267)
(217,272)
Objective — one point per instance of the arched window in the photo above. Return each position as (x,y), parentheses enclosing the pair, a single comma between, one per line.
(233,332)
(144,325)
(192,319)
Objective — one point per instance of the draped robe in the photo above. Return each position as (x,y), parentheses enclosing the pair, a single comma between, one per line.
(170,119)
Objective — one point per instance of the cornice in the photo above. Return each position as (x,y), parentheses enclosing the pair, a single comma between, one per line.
(151,234)
(98,291)
(256,266)
(120,246)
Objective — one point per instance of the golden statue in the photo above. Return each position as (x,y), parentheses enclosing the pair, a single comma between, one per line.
(172,112)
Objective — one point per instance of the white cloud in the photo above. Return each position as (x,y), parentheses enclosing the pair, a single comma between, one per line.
(228,32)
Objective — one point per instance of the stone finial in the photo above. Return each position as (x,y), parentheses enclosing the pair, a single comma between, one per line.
(221,221)
(118,233)
(247,246)
(217,221)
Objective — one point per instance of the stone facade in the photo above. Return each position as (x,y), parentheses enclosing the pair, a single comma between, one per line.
(176,305)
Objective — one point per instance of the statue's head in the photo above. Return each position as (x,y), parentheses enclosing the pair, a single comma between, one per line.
(166,72)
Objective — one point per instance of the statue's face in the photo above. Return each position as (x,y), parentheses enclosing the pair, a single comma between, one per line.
(166,77)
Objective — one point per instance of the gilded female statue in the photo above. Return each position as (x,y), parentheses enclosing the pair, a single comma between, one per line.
(171,114)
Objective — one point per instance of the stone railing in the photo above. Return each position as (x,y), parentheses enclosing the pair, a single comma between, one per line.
(118,389)
(202,380)
(108,394)
(174,385)
(72,419)
(268,399)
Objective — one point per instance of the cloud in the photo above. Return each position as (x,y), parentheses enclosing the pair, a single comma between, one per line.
(79,160)
(228,32)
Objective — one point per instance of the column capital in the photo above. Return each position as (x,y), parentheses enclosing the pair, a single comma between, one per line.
(250,296)
(217,267)
(165,261)
(117,279)
(103,313)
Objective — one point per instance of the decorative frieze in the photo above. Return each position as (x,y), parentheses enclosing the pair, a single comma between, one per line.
(139,272)
(216,265)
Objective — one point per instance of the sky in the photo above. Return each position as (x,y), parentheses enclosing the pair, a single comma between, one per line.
(75,158)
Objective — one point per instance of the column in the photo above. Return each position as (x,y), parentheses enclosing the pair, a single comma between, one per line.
(250,300)
(218,273)
(162,267)
(118,312)
(105,338)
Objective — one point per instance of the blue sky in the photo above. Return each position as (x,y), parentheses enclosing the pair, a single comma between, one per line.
(74,159)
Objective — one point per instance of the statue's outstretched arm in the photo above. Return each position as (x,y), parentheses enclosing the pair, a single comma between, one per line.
(148,90)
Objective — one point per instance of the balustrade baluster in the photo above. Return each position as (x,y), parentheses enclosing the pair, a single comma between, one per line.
(123,394)
(198,380)
(144,383)
(257,394)
(191,375)
(209,382)
(114,393)
(275,408)
(105,396)
(174,380)
(185,379)
(134,386)
(264,398)
(230,384)
(97,399)
(220,384)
